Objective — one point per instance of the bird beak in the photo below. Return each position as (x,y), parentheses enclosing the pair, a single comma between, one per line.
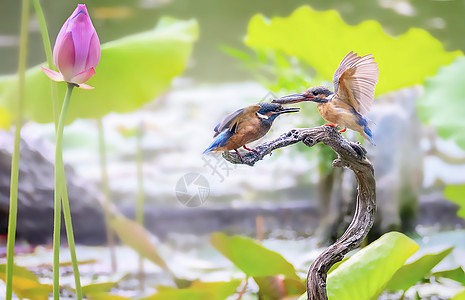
(320,100)
(296,98)
(288,110)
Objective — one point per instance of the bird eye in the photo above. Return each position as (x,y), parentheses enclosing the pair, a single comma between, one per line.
(315,93)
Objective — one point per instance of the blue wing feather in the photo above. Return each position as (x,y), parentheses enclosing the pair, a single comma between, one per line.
(362,121)
(369,134)
(219,141)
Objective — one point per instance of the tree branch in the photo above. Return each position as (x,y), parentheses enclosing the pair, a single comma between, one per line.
(350,155)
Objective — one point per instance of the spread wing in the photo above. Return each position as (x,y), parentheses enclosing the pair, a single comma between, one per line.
(231,120)
(355,80)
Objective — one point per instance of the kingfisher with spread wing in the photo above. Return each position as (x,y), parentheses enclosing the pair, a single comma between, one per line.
(354,90)
(245,126)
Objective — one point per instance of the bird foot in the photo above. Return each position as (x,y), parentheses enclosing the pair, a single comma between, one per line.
(332,125)
(343,130)
(249,149)
(238,153)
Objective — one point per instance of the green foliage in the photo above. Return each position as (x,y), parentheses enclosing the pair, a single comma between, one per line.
(456,274)
(378,267)
(456,194)
(253,259)
(442,103)
(278,287)
(5,118)
(294,287)
(322,39)
(20,272)
(270,287)
(98,288)
(411,273)
(138,238)
(132,71)
(274,275)
(364,275)
(81,262)
(25,284)
(275,70)
(198,291)
(459,296)
(336,265)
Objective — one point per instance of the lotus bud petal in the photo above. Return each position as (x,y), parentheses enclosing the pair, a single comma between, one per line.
(77,49)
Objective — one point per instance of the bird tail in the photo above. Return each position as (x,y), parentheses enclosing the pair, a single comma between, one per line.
(219,141)
(369,134)
(209,149)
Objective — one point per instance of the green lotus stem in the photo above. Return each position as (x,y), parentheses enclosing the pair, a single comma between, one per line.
(140,197)
(43,32)
(65,200)
(69,232)
(106,192)
(13,211)
(58,192)
(48,54)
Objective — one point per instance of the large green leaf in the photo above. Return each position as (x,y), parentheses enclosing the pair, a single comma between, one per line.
(456,274)
(364,275)
(456,194)
(459,296)
(198,291)
(442,103)
(322,39)
(336,265)
(411,273)
(252,258)
(132,71)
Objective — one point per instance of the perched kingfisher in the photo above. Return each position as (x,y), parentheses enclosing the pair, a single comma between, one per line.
(354,90)
(245,126)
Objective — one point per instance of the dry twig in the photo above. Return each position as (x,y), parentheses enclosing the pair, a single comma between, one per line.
(350,155)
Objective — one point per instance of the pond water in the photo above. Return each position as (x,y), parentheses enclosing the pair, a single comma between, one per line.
(195,258)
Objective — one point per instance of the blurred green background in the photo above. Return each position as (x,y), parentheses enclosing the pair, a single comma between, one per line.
(206,60)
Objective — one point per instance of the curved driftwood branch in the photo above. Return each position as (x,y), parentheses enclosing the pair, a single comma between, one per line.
(350,155)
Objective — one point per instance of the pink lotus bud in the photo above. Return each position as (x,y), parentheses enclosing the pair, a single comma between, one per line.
(77,50)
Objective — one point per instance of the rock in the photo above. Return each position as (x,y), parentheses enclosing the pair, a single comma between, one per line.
(397,159)
(35,195)
(438,212)
(280,219)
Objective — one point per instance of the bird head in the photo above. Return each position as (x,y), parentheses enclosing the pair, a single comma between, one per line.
(270,111)
(318,94)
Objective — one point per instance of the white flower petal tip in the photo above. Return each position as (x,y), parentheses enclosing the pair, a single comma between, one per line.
(53,75)
(85,86)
